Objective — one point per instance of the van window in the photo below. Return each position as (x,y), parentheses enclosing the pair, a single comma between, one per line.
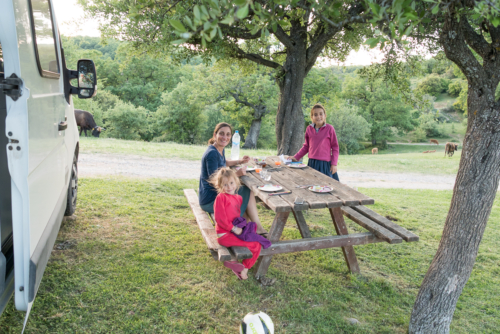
(45,44)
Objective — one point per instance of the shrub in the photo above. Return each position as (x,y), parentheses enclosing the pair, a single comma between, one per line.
(432,85)
(125,121)
(455,87)
(349,126)
(180,118)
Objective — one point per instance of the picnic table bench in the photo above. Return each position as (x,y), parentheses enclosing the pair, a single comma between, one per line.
(341,201)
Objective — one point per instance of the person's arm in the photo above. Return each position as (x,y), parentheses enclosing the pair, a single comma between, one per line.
(334,144)
(220,214)
(305,148)
(244,160)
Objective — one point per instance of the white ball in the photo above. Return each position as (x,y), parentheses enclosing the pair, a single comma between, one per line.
(257,323)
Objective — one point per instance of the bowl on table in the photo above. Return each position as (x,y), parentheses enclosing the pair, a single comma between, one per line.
(260,161)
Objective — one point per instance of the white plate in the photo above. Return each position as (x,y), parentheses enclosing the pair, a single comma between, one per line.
(323,189)
(298,165)
(270,187)
(249,169)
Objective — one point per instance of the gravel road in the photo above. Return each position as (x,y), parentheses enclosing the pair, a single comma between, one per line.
(91,165)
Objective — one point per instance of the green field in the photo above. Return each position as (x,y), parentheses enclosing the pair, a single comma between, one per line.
(396,159)
(134,262)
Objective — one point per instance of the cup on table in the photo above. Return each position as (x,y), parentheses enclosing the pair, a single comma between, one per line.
(277,163)
(258,169)
(263,174)
(267,178)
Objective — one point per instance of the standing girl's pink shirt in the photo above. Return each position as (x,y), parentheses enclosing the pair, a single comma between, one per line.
(321,145)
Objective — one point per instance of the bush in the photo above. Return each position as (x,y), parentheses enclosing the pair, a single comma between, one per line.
(429,125)
(455,87)
(125,121)
(432,85)
(180,118)
(349,126)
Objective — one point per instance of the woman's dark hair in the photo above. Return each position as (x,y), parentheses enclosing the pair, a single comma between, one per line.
(217,128)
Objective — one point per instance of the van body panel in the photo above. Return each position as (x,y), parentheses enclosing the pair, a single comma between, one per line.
(41,156)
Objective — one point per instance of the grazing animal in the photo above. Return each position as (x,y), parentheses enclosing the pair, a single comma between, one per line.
(434,141)
(374,150)
(450,149)
(429,151)
(85,121)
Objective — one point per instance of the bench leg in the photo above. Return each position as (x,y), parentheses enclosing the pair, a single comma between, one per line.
(275,232)
(341,228)
(302,225)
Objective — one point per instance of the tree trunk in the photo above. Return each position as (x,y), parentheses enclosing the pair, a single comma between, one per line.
(253,134)
(475,187)
(290,118)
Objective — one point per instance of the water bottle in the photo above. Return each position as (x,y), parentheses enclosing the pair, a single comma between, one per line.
(235,149)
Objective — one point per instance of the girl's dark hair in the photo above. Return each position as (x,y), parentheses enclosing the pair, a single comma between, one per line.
(318,106)
(217,128)
(216,179)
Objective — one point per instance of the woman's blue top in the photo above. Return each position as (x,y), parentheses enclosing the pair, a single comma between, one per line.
(210,162)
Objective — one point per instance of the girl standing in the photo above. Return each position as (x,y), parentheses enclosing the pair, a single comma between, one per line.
(321,144)
(226,208)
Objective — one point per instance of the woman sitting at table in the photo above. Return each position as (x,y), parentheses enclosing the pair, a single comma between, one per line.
(215,158)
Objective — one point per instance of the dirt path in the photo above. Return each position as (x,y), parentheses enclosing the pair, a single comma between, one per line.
(91,165)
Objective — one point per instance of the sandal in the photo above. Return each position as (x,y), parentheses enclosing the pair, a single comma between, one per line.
(238,274)
(234,266)
(264,234)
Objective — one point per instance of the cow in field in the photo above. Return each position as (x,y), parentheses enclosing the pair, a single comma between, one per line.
(450,148)
(85,121)
(434,141)
(374,150)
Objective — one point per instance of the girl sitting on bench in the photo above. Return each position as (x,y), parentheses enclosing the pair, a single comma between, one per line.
(226,208)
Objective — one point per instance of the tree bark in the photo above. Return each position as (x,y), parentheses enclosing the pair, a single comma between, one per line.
(475,187)
(253,134)
(290,118)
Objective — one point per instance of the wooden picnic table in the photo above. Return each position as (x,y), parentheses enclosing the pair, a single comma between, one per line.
(342,200)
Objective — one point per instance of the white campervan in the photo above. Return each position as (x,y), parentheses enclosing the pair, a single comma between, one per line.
(38,143)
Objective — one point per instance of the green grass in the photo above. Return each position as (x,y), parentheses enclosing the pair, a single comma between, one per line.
(136,263)
(402,149)
(394,160)
(157,150)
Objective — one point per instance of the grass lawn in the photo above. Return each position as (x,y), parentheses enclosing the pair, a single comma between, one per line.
(134,262)
(396,159)
(156,150)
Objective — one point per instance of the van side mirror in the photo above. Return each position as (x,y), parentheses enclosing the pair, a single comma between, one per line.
(87,79)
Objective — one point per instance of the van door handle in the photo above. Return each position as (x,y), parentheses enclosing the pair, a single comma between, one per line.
(63,126)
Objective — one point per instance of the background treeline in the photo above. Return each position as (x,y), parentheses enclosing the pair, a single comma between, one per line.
(148,98)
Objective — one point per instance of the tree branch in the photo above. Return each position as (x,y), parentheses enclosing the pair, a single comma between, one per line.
(475,40)
(236,97)
(283,37)
(256,58)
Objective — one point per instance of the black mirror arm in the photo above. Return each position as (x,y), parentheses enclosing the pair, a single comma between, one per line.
(72,75)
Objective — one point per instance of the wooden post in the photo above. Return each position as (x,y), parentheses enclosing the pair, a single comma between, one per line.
(274,235)
(341,228)
(302,225)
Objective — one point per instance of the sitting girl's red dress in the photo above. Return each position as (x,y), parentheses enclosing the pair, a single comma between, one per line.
(226,209)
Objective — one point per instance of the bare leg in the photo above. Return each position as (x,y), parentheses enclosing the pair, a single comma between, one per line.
(252,214)
(244,274)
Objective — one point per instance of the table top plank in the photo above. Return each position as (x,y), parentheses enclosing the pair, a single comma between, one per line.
(346,193)
(276,203)
(315,201)
(315,177)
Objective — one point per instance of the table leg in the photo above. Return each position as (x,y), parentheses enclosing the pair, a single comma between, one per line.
(302,225)
(274,235)
(341,228)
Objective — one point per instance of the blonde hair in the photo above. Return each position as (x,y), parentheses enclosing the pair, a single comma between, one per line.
(318,106)
(217,177)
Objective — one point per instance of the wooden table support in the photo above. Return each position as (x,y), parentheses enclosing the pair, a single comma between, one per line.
(341,228)
(301,224)
(275,232)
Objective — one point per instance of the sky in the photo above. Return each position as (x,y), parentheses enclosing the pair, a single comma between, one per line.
(72,22)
